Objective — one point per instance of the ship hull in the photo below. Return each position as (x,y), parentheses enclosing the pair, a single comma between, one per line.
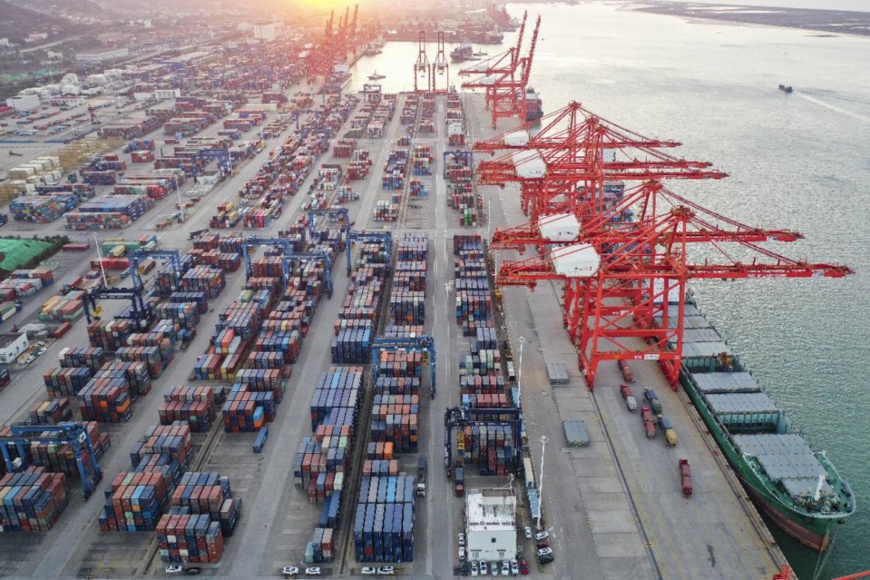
(813,532)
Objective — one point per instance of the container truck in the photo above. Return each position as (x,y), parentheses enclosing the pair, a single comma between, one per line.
(421,476)
(459,482)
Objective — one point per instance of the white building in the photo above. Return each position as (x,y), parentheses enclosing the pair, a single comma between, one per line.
(491,532)
(103,55)
(24,102)
(12,345)
(167,94)
(266,31)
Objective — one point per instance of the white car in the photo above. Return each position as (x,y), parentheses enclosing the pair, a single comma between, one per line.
(505,568)
(493,567)
(174,569)
(289,570)
(461,553)
(368,571)
(515,568)
(528,532)
(483,568)
(461,539)
(541,536)
(312,571)
(386,571)
(474,569)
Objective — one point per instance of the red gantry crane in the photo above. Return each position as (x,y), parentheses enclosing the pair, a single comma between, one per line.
(571,164)
(624,281)
(505,77)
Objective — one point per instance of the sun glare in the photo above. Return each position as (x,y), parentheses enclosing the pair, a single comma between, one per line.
(325,4)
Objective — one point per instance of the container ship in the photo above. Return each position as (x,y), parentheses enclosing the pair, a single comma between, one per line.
(797,487)
(534,106)
(462,53)
(336,82)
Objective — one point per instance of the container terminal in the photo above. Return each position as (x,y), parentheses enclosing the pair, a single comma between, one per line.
(292,339)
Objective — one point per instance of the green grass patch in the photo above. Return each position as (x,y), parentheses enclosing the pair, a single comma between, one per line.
(27,253)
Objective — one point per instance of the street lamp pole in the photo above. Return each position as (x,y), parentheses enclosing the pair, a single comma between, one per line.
(178,193)
(100,257)
(544,441)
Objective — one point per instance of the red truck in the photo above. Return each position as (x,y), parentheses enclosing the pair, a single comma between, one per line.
(686,476)
(648,423)
(626,371)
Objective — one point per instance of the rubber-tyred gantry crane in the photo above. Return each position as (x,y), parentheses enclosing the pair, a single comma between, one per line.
(621,279)
(505,77)
(569,164)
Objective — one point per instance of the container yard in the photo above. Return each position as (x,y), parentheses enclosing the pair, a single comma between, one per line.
(315,366)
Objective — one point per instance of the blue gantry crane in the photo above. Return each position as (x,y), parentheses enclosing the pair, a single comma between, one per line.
(141,314)
(340,214)
(72,434)
(364,236)
(174,257)
(422,343)
(317,255)
(256,242)
(462,416)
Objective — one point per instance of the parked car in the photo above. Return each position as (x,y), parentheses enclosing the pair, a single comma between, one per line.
(515,568)
(493,567)
(475,569)
(524,568)
(505,568)
(312,571)
(528,532)
(484,569)
(289,571)
(461,553)
(368,571)
(545,555)
(174,569)
(461,538)
(544,535)
(631,404)
(386,571)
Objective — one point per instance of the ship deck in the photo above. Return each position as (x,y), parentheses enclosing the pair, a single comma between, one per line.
(614,509)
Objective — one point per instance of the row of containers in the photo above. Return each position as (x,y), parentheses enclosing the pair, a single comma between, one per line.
(455,120)
(285,171)
(481,381)
(383,526)
(259,335)
(322,461)
(461,194)
(372,118)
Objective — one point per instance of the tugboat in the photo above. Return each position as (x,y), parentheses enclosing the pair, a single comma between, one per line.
(376,76)
(462,53)
(785,89)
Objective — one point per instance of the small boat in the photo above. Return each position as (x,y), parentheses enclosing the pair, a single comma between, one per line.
(376,76)
(480,54)
(785,89)
(462,53)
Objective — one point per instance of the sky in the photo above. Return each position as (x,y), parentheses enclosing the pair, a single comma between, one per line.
(857,5)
